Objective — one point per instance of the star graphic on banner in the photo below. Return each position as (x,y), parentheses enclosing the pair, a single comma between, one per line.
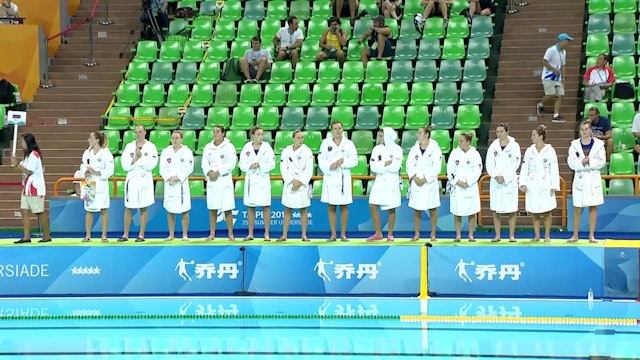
(86,270)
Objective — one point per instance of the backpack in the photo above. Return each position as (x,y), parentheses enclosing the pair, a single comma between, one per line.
(231,70)
(623,90)
(6,92)
(185,13)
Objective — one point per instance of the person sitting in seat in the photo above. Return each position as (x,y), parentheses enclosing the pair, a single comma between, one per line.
(255,61)
(379,41)
(332,41)
(598,79)
(288,40)
(159,10)
(482,7)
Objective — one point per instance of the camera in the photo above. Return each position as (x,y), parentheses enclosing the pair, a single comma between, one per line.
(146,4)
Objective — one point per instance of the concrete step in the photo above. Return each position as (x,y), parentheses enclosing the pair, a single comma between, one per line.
(99,106)
(110,64)
(93,96)
(514,96)
(82,84)
(100,51)
(74,68)
(523,109)
(83,75)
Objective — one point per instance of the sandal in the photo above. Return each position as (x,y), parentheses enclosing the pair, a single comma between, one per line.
(281,239)
(105,240)
(22,241)
(209,238)
(45,240)
(185,238)
(434,239)
(456,240)
(472,239)
(415,238)
(535,240)
(495,240)
(344,239)
(267,238)
(305,239)
(512,240)
(232,238)
(547,240)
(593,241)
(331,239)
(86,240)
(139,239)
(169,239)
(390,238)
(123,239)
(248,238)
(572,240)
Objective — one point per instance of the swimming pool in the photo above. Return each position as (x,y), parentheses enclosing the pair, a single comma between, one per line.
(318,328)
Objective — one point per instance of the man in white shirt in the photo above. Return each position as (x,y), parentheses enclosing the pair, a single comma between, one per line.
(255,61)
(288,40)
(553,73)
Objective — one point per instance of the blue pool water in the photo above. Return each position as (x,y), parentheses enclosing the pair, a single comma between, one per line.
(315,328)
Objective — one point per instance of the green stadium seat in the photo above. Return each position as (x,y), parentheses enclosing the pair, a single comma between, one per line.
(358,187)
(412,7)
(168,118)
(348,94)
(145,116)
(443,138)
(599,24)
(247,29)
(178,27)
(417,117)
(238,138)
(203,29)
(268,29)
(362,168)
(597,44)
(433,28)
(401,71)
(456,137)
(238,48)
(204,137)
(478,48)
(281,72)
(238,189)
(376,72)
(405,49)
(161,73)
(409,138)
(299,95)
(446,93)
(363,140)
(353,72)
(254,10)
(113,139)
(305,72)
(170,51)
(268,117)
(226,95)
(119,192)
(193,51)
(250,95)
(321,9)
(450,70)
(186,73)
(160,138)
(127,95)
(471,92)
(277,9)
(624,66)
(407,30)
(218,51)
(284,138)
(202,95)
(300,9)
(482,26)
(317,118)
(453,48)
(458,27)
(118,171)
(137,73)
(207,8)
(193,119)
(397,94)
(372,94)
(426,71)
(367,118)
(329,72)
(218,116)
(277,186)
(622,115)
(274,95)
(625,23)
(127,137)
(209,73)
(153,95)
(393,117)
(621,187)
(602,107)
(345,115)
(422,93)
(625,6)
(146,51)
(292,118)
(309,50)
(323,95)
(190,141)
(354,49)
(468,117)
(443,117)
(177,95)
(599,6)
(243,118)
(317,187)
(623,140)
(430,49)
(361,26)
(623,44)
(316,28)
(232,10)
(621,163)
(313,139)
(474,70)
(196,187)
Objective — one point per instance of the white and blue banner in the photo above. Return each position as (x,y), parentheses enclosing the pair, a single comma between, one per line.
(210,270)
(516,271)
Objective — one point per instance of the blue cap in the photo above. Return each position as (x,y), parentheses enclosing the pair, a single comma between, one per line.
(564,36)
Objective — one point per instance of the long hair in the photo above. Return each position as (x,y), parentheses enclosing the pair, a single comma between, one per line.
(32,145)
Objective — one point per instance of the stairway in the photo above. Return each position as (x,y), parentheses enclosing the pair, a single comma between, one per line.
(62,117)
(527,34)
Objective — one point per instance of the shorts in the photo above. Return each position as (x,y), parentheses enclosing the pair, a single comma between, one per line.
(330,54)
(33,203)
(553,88)
(387,50)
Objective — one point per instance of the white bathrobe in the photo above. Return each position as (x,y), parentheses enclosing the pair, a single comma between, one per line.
(221,158)
(386,186)
(503,198)
(95,188)
(587,183)
(464,166)
(177,196)
(296,165)
(424,164)
(336,183)
(138,188)
(540,174)
(257,183)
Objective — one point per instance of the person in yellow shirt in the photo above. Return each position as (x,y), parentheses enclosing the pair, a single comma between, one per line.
(332,41)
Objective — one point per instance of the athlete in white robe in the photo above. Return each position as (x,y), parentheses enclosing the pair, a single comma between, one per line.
(139,158)
(96,169)
(385,164)
(502,162)
(464,168)
(337,157)
(539,180)
(257,160)
(423,166)
(176,165)
(587,155)
(296,167)
(218,161)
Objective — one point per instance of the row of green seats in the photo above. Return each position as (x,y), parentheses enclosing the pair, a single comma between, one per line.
(615,6)
(625,23)
(620,113)
(621,44)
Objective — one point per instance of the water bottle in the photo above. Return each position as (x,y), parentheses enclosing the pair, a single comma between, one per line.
(18,97)
(590,295)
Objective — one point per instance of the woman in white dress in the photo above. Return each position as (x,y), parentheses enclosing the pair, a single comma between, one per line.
(502,162)
(539,181)
(218,161)
(176,165)
(96,169)
(423,166)
(296,166)
(464,168)
(257,160)
(385,164)
(587,155)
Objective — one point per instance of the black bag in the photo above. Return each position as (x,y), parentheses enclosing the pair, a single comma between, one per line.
(6,92)
(231,70)
(185,13)
(623,90)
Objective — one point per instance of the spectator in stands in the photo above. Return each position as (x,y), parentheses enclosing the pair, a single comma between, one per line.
(33,188)
(257,160)
(255,61)
(464,168)
(288,40)
(601,129)
(423,166)
(337,156)
(218,161)
(296,166)
(176,165)
(598,79)
(390,8)
(345,9)
(159,10)
(8,10)
(553,74)
(332,41)
(438,8)
(139,158)
(379,41)
(96,169)
(635,127)
(586,158)
(482,7)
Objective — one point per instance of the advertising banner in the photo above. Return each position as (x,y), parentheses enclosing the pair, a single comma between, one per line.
(621,273)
